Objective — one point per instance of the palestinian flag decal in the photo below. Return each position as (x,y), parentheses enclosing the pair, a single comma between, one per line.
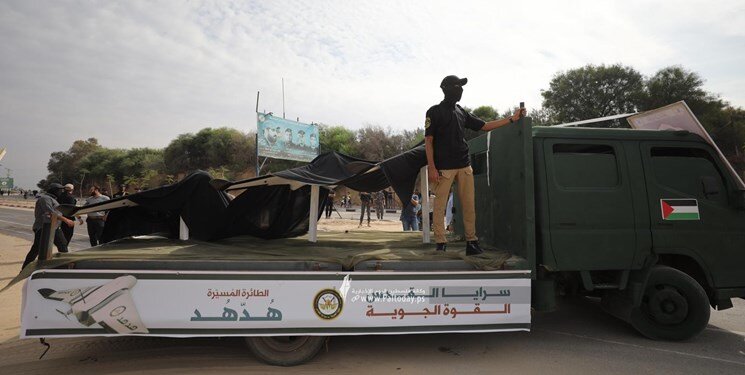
(679,209)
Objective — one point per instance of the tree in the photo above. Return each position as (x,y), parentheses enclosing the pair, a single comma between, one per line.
(211,148)
(594,91)
(673,84)
(486,113)
(337,138)
(373,143)
(64,166)
(542,117)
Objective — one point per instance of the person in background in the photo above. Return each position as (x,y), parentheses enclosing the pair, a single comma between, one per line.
(379,199)
(409,214)
(121,192)
(67,198)
(365,202)
(45,207)
(330,203)
(95,220)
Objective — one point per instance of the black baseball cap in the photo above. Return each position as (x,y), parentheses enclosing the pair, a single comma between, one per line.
(453,80)
(54,187)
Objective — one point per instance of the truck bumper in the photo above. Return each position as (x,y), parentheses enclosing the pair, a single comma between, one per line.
(722,297)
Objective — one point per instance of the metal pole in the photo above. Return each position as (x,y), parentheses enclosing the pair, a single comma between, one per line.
(257,151)
(424,188)
(313,225)
(257,133)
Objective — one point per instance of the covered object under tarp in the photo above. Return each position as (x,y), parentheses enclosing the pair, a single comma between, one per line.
(272,206)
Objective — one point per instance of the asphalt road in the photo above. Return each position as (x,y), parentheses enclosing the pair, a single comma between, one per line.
(17,222)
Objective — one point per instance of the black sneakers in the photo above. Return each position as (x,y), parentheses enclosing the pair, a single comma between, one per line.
(441,246)
(473,248)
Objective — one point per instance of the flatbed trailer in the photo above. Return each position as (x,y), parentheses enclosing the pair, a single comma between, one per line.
(285,296)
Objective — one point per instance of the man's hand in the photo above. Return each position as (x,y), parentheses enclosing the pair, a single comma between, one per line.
(433,174)
(519,113)
(69,222)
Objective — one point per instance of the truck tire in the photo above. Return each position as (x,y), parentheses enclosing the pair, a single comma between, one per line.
(674,306)
(285,350)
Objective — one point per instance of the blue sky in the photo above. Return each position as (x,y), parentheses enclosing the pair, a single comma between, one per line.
(137,74)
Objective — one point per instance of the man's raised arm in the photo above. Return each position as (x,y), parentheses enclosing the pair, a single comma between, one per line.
(491,125)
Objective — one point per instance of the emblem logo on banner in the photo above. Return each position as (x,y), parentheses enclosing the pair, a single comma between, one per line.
(328,304)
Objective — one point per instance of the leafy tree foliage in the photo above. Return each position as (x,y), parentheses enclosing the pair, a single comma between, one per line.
(65,166)
(673,84)
(211,148)
(337,138)
(486,113)
(594,91)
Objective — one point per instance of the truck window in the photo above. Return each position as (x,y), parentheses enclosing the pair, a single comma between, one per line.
(585,165)
(682,169)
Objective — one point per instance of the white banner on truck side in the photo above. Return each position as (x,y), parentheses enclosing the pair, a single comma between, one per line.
(63,303)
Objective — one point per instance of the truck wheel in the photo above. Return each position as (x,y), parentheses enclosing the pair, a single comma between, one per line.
(285,350)
(674,306)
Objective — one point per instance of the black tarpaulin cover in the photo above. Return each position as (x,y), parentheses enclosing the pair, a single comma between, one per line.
(262,210)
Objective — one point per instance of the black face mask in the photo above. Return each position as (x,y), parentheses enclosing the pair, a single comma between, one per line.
(452,93)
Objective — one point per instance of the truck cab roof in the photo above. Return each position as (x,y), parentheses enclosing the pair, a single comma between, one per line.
(614,133)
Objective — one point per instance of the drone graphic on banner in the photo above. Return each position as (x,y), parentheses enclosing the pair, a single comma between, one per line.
(285,139)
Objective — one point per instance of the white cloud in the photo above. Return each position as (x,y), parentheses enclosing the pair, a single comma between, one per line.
(140,73)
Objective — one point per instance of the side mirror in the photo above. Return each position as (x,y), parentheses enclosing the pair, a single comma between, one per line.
(710,186)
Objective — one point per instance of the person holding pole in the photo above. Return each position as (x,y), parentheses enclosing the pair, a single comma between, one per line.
(46,206)
(448,159)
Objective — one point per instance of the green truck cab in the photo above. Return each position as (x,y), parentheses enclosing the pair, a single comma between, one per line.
(652,222)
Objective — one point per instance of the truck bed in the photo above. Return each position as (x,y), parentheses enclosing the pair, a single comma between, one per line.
(334,251)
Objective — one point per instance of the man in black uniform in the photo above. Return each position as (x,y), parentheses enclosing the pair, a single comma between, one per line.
(68,198)
(448,160)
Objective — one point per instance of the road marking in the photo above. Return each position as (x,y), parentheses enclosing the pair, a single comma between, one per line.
(31,234)
(13,222)
(643,347)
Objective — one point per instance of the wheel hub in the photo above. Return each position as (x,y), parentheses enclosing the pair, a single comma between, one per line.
(668,306)
(285,343)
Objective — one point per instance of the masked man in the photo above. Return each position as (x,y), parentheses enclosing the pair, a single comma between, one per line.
(448,159)
(46,206)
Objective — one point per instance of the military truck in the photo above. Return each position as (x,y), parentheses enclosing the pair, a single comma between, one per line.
(653,222)
(650,221)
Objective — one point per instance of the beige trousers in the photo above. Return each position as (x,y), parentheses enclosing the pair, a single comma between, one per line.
(464,176)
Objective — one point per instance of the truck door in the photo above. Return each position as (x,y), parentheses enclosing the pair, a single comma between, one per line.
(591,215)
(693,216)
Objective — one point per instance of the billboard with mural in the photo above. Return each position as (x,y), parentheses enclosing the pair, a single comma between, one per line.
(284,139)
